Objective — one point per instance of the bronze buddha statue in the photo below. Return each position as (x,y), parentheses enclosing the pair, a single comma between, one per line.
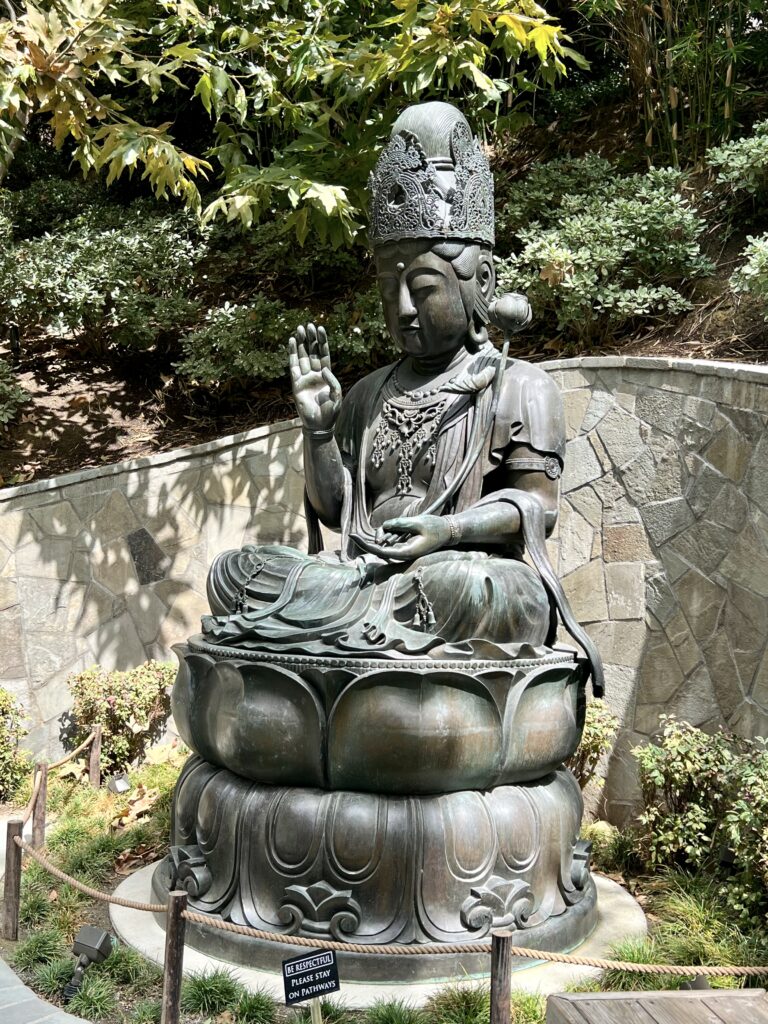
(400,701)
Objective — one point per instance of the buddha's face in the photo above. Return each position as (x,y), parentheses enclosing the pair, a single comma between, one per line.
(427,304)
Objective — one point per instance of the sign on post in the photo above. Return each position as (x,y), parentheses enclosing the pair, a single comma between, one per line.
(310,976)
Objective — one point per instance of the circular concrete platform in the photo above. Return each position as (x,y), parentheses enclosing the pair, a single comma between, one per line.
(619,917)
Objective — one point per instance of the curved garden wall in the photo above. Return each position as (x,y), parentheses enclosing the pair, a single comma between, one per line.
(663,541)
(662,546)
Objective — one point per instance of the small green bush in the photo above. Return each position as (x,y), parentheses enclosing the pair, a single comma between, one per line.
(752,276)
(600,728)
(595,251)
(15,764)
(40,948)
(132,708)
(743,163)
(47,204)
(705,801)
(116,276)
(239,343)
(608,845)
(12,394)
(211,993)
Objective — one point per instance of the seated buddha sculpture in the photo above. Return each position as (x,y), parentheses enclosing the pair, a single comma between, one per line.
(379,729)
(438,471)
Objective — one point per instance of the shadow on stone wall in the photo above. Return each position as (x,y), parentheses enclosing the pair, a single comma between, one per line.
(109,566)
(663,544)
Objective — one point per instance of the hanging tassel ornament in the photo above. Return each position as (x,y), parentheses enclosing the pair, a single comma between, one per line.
(424,617)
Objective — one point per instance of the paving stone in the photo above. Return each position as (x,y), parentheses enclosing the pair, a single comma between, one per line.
(729,508)
(703,545)
(113,566)
(59,520)
(116,644)
(626,543)
(724,673)
(687,650)
(663,519)
(702,601)
(600,403)
(621,434)
(183,618)
(575,404)
(575,535)
(749,721)
(50,604)
(581,465)
(149,561)
(12,651)
(585,590)
(661,409)
(755,485)
(746,562)
(147,612)
(49,561)
(625,586)
(619,642)
(114,519)
(657,474)
(586,502)
(233,487)
(729,452)
(660,675)
(49,653)
(660,599)
(696,701)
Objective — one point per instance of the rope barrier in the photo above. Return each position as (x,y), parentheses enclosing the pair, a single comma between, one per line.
(415,949)
(87,890)
(33,799)
(78,750)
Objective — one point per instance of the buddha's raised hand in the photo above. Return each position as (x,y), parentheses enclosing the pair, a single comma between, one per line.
(316,391)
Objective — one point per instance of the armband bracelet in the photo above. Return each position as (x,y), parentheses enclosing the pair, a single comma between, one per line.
(455,527)
(318,435)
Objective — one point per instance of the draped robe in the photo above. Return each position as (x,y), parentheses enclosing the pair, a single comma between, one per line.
(470,601)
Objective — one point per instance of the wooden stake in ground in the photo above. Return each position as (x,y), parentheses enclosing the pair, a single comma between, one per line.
(38,811)
(12,890)
(501,977)
(315,1013)
(94,761)
(175,927)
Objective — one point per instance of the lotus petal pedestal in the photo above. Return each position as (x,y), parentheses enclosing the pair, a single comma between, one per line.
(379,802)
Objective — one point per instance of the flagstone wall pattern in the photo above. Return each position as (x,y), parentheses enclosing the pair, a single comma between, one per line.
(662,546)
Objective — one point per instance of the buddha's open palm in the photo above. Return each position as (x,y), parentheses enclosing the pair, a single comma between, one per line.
(316,391)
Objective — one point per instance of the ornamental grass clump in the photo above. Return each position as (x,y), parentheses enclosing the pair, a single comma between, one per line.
(132,708)
(211,993)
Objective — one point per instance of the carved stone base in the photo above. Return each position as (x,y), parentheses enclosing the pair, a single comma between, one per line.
(380,869)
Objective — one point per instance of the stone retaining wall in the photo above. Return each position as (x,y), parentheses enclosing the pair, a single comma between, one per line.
(108,565)
(663,542)
(662,545)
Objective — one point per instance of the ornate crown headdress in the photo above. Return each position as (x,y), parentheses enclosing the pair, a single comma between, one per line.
(424,192)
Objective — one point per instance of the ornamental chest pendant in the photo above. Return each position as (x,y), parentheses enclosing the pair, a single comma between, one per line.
(405,430)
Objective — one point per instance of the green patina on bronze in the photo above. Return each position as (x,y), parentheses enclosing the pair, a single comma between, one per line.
(380,728)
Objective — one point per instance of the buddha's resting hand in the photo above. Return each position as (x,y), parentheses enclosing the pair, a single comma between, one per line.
(420,536)
(316,391)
